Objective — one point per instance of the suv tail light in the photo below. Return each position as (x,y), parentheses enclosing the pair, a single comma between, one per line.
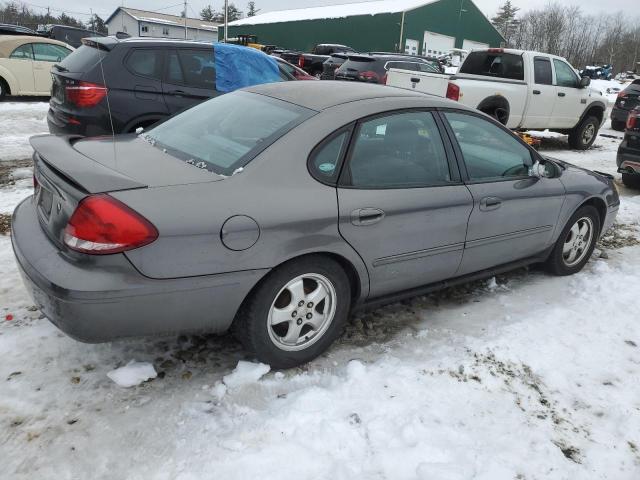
(632,120)
(369,76)
(301,61)
(85,94)
(102,225)
(453,91)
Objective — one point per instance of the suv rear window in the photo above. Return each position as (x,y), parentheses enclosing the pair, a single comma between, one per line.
(227,132)
(83,59)
(500,65)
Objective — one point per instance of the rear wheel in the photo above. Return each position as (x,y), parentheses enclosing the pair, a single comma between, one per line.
(583,136)
(631,180)
(576,242)
(296,312)
(618,125)
(4,89)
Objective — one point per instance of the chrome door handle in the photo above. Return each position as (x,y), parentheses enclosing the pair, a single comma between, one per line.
(366,216)
(490,203)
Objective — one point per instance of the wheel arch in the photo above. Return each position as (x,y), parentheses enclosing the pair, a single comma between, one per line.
(490,104)
(596,109)
(146,120)
(7,78)
(601,207)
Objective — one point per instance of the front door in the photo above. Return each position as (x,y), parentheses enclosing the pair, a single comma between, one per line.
(189,78)
(401,203)
(571,99)
(514,214)
(20,63)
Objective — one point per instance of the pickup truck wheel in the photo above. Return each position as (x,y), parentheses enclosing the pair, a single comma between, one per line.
(618,125)
(631,180)
(583,136)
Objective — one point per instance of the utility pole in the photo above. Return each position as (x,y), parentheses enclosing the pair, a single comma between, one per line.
(185,19)
(226,21)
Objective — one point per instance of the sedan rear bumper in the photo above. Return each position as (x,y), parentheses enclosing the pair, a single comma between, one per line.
(100,298)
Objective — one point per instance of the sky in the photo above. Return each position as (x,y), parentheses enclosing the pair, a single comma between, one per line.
(105,7)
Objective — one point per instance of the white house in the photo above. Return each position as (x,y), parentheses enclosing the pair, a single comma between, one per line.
(142,23)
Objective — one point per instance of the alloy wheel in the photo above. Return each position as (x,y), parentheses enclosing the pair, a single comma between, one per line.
(302,312)
(578,241)
(588,133)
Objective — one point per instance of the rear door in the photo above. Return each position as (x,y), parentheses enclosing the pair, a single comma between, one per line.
(514,214)
(146,65)
(542,94)
(571,99)
(189,77)
(20,63)
(401,202)
(45,56)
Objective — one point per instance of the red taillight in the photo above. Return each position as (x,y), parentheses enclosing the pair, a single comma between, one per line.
(102,225)
(369,76)
(495,50)
(85,94)
(35,181)
(453,92)
(622,94)
(632,120)
(301,61)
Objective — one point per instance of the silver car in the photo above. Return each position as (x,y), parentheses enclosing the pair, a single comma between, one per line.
(277,210)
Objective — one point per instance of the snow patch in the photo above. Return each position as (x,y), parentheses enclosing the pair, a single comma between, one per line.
(132,374)
(245,373)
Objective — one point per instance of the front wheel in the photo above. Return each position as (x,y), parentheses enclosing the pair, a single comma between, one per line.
(4,90)
(296,312)
(576,242)
(583,136)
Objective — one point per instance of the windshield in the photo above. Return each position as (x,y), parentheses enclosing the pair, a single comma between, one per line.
(227,132)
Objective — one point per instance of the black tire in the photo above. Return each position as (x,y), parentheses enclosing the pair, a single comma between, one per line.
(4,89)
(631,180)
(578,137)
(556,263)
(254,330)
(618,125)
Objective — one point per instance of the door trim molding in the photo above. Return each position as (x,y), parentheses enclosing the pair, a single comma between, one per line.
(429,252)
(481,242)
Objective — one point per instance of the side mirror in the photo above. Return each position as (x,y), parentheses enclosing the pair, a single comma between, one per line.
(585,82)
(539,170)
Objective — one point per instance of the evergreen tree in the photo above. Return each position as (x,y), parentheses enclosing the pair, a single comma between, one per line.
(207,14)
(251,9)
(506,22)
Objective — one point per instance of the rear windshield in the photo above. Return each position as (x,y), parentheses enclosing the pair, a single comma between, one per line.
(227,132)
(500,65)
(363,65)
(83,59)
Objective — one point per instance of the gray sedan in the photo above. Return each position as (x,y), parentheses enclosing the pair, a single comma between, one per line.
(277,210)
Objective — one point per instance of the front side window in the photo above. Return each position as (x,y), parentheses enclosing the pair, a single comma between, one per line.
(24,52)
(489,152)
(199,68)
(401,150)
(227,132)
(565,76)
(542,71)
(494,64)
(145,62)
(46,52)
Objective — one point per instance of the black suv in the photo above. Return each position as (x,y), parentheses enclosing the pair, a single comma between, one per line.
(373,67)
(147,80)
(627,100)
(629,151)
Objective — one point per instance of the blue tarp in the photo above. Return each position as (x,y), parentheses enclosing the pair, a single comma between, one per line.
(238,67)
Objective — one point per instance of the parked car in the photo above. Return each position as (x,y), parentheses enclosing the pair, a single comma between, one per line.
(528,90)
(431,194)
(629,151)
(312,62)
(331,64)
(9,29)
(25,63)
(147,80)
(294,71)
(70,35)
(373,67)
(627,100)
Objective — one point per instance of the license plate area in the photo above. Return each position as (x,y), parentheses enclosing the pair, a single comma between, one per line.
(45,201)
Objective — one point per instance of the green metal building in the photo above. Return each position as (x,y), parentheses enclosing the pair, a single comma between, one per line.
(418,27)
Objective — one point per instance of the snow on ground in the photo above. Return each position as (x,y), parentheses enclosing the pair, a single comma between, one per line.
(19,121)
(524,376)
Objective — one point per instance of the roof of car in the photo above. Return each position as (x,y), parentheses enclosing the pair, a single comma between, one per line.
(325,94)
(8,43)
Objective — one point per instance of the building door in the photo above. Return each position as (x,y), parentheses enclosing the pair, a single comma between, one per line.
(471,45)
(411,47)
(437,44)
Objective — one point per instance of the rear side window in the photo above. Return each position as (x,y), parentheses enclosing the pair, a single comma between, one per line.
(325,157)
(542,71)
(500,65)
(226,132)
(198,68)
(145,62)
(24,52)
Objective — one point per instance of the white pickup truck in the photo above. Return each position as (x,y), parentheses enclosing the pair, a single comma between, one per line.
(521,89)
